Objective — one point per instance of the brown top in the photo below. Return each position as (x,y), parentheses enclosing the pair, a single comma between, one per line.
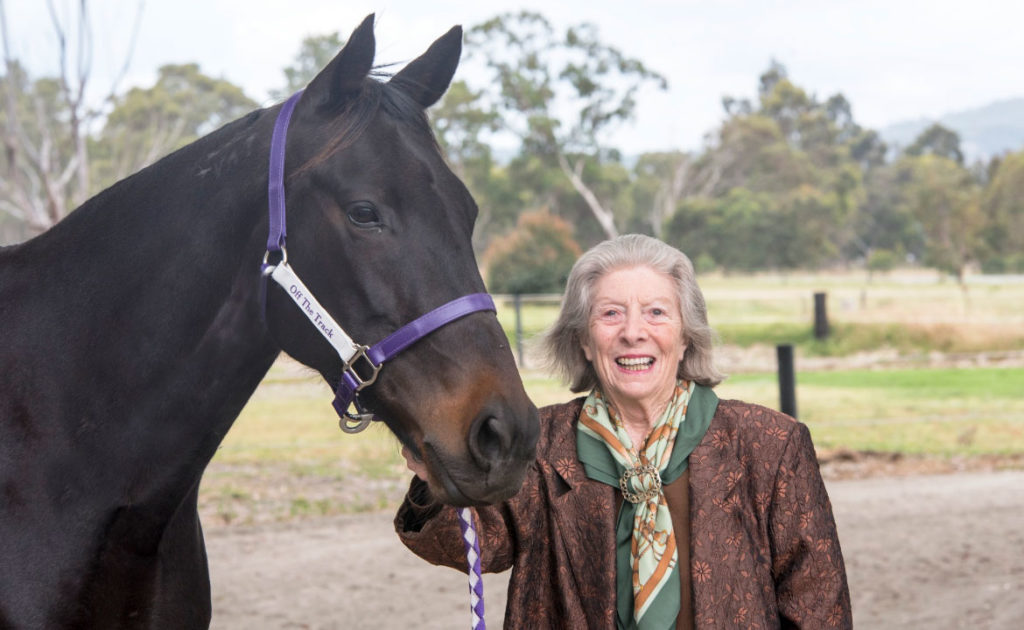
(763,552)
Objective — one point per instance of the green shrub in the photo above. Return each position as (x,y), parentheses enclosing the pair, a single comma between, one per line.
(882,260)
(534,258)
(1003,264)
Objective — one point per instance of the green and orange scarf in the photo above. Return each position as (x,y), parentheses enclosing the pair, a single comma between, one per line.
(645,548)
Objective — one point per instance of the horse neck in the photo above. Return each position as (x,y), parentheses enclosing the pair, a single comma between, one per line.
(153,285)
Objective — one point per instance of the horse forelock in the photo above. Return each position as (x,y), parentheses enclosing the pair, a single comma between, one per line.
(354,119)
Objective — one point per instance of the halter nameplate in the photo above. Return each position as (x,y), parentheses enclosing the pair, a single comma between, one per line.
(284,275)
(369,359)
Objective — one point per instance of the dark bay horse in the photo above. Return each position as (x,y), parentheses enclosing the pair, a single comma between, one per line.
(133,332)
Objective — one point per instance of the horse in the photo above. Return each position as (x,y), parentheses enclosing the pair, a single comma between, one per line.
(133,332)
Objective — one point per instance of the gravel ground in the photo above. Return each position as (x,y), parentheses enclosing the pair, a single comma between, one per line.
(935,551)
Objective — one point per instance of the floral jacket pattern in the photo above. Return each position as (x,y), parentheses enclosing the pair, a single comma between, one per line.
(764,551)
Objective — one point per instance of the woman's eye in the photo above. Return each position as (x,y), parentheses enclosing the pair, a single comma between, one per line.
(364,214)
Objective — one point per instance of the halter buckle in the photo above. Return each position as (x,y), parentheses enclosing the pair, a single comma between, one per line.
(374,369)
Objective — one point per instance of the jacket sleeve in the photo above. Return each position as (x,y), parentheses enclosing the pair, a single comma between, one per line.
(807,563)
(431,530)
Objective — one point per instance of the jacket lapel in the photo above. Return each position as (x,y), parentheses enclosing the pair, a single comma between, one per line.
(583,511)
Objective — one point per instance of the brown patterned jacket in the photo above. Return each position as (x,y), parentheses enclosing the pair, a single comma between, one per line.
(764,552)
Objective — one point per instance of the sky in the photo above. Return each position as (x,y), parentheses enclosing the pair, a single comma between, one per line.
(894,60)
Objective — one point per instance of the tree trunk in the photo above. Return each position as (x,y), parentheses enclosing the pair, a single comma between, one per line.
(603,215)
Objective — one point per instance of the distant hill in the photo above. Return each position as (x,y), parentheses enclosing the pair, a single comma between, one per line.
(984,132)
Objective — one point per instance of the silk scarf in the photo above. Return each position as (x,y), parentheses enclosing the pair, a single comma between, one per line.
(647,572)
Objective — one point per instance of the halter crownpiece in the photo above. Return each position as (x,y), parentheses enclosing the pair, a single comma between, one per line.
(368,359)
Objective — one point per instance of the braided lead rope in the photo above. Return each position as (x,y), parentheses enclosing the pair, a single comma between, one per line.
(476,580)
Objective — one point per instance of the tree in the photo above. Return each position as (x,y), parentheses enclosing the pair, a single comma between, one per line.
(788,171)
(661,182)
(314,53)
(559,93)
(460,124)
(884,222)
(1003,209)
(147,123)
(944,199)
(747,230)
(536,257)
(937,140)
(789,139)
(46,169)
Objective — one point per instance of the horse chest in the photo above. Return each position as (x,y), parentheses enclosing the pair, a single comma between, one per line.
(73,579)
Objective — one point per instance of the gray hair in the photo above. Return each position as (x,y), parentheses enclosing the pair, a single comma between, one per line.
(563,341)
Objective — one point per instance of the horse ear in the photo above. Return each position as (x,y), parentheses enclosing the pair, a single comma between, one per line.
(343,77)
(427,77)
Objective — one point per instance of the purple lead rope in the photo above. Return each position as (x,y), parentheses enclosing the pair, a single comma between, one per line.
(476,581)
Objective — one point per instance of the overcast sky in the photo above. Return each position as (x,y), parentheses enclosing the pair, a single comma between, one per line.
(893,59)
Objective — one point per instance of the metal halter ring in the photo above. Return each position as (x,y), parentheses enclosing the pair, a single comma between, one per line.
(355,422)
(284,258)
(650,481)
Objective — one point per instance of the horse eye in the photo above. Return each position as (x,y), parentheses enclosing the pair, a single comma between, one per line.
(363,214)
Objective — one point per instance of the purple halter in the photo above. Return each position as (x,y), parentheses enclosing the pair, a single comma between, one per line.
(371,359)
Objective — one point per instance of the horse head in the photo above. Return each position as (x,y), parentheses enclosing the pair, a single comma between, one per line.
(379,229)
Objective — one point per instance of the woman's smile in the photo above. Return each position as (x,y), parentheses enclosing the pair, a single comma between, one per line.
(635,364)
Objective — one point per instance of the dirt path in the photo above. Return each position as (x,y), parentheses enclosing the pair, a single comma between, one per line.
(929,551)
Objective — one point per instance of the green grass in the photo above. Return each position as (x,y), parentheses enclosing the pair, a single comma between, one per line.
(846,338)
(535,317)
(926,411)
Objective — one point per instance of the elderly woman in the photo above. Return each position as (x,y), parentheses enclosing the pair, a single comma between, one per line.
(652,503)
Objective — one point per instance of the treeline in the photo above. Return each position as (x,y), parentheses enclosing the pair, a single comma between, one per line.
(787,180)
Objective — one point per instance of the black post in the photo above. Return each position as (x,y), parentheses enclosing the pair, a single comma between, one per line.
(787,380)
(820,316)
(519,330)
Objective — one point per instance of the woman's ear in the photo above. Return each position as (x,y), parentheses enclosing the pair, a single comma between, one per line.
(585,346)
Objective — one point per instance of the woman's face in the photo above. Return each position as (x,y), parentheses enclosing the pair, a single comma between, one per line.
(635,336)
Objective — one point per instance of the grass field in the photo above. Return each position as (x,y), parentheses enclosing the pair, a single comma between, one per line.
(286,453)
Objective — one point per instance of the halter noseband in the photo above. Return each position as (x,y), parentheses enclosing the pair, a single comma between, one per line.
(353,355)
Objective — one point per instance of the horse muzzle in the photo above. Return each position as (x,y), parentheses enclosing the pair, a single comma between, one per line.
(499,450)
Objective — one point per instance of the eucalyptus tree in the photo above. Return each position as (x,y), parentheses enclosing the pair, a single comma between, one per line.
(46,120)
(314,53)
(937,140)
(1003,206)
(146,123)
(559,92)
(461,125)
(788,171)
(944,199)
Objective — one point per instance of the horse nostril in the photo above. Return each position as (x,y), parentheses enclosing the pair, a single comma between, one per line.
(491,441)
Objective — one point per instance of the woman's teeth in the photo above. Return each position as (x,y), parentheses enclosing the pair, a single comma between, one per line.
(635,364)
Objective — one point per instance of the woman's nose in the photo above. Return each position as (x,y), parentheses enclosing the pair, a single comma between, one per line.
(634,327)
